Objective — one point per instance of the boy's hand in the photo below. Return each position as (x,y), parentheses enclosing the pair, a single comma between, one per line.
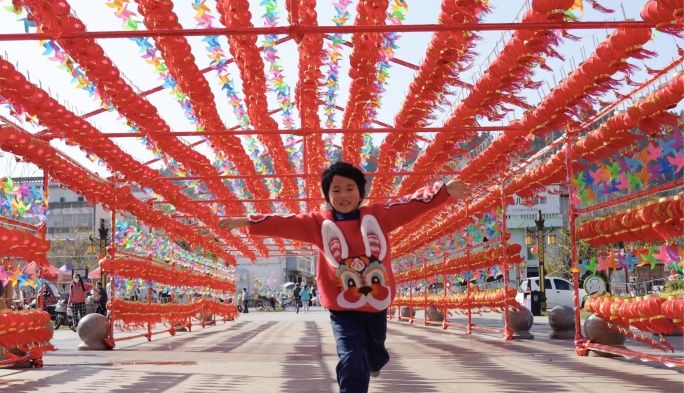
(233,222)
(457,188)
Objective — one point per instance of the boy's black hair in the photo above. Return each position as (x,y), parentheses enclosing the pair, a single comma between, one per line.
(344,169)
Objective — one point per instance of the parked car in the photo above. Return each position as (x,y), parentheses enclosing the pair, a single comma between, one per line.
(558,291)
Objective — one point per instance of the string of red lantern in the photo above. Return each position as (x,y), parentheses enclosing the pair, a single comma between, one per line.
(482,259)
(180,63)
(21,244)
(306,90)
(656,221)
(235,13)
(364,61)
(643,313)
(575,93)
(137,268)
(56,19)
(509,73)
(136,313)
(95,189)
(439,70)
(611,136)
(493,300)
(25,331)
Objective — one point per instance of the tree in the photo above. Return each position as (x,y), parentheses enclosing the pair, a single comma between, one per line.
(74,251)
(558,264)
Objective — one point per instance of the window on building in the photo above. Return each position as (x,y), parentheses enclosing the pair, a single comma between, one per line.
(80,199)
(62,199)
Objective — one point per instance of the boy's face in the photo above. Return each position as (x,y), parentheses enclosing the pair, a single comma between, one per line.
(344,194)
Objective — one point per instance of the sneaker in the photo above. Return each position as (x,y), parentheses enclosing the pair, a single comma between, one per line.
(73,328)
(375,374)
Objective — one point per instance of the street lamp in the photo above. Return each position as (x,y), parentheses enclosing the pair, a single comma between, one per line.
(102,247)
(540,232)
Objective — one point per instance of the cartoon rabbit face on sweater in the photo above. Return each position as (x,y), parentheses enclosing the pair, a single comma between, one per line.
(362,280)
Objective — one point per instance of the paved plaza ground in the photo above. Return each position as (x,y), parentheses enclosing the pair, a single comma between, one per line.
(265,352)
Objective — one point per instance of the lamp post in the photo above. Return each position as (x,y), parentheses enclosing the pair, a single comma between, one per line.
(539,230)
(103,230)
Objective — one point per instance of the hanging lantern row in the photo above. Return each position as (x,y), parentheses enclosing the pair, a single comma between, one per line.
(181,65)
(666,14)
(307,89)
(136,313)
(22,94)
(16,243)
(163,274)
(479,260)
(573,94)
(491,300)
(649,314)
(235,13)
(507,75)
(656,221)
(26,331)
(42,154)
(115,90)
(364,60)
(445,58)
(651,113)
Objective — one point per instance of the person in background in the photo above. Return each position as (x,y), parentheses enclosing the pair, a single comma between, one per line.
(77,297)
(297,298)
(305,295)
(245,301)
(103,299)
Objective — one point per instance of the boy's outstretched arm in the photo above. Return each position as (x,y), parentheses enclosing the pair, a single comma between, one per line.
(233,222)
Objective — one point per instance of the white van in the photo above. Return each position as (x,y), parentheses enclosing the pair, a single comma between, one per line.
(558,291)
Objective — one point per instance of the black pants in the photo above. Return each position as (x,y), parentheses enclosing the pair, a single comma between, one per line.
(245,310)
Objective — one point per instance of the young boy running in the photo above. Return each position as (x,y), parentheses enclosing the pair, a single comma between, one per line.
(355,279)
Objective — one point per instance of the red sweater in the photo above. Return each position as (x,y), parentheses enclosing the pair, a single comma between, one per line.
(354,264)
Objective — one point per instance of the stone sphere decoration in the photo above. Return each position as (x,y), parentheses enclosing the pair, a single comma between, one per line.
(597,331)
(51,327)
(434,315)
(520,321)
(406,312)
(562,321)
(93,329)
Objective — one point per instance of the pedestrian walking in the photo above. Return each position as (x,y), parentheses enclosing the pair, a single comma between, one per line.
(305,295)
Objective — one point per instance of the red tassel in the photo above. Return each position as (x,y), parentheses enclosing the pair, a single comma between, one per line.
(598,7)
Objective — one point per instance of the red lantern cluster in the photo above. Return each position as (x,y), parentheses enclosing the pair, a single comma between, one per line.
(235,13)
(181,65)
(643,313)
(364,61)
(114,89)
(483,259)
(666,14)
(507,74)
(656,221)
(440,69)
(307,89)
(21,244)
(673,309)
(489,300)
(26,331)
(163,274)
(96,190)
(138,314)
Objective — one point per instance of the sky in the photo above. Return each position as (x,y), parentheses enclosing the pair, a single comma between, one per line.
(29,57)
